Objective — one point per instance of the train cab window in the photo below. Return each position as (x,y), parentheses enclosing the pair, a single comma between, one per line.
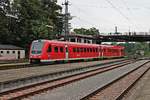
(61,49)
(49,48)
(56,49)
(13,52)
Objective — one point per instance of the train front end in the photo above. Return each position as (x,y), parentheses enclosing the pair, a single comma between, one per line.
(36,49)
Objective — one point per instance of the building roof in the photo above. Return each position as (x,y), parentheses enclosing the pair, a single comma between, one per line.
(9,47)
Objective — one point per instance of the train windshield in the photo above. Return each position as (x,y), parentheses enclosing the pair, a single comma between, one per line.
(36,47)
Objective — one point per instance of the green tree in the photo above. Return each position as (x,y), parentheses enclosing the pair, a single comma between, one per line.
(91,31)
(4,31)
(33,18)
(132,48)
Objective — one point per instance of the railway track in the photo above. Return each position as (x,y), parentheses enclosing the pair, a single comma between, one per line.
(118,88)
(81,89)
(14,78)
(73,76)
(27,64)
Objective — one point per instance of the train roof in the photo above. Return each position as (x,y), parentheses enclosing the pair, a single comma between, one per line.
(63,42)
(75,43)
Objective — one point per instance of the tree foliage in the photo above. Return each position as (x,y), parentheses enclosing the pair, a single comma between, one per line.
(134,48)
(4,31)
(36,19)
(91,31)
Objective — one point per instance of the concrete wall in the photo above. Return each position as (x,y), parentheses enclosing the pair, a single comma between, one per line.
(12,54)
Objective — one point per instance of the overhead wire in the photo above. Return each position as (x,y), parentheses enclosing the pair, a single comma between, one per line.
(85,13)
(128,9)
(120,12)
(112,6)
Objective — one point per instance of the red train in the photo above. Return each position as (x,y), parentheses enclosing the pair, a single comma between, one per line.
(50,50)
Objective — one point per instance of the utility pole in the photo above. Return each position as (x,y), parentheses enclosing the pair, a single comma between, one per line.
(66,20)
(116,30)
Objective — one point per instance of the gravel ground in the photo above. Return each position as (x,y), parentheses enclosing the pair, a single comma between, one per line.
(141,90)
(7,75)
(112,92)
(79,89)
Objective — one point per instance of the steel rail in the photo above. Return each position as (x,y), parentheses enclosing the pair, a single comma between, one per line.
(121,95)
(26,65)
(69,79)
(16,83)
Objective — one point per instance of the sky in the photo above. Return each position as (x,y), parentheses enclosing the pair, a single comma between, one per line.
(133,15)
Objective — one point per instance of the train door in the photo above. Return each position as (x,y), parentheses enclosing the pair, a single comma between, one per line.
(66,52)
(49,50)
(101,51)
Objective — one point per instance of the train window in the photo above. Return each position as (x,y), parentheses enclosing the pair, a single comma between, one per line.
(77,49)
(104,50)
(56,49)
(113,50)
(74,49)
(96,49)
(90,49)
(81,49)
(49,48)
(84,49)
(99,50)
(93,49)
(61,49)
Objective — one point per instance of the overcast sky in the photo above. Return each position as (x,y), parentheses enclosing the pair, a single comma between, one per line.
(106,14)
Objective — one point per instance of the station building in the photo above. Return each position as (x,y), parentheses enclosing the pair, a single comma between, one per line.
(11,52)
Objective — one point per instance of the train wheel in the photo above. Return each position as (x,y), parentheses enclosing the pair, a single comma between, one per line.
(35,61)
